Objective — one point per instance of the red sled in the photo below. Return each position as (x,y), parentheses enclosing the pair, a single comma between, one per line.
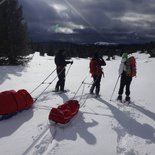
(64,113)
(12,102)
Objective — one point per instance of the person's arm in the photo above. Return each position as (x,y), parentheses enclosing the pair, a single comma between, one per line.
(60,61)
(103,63)
(121,67)
(68,62)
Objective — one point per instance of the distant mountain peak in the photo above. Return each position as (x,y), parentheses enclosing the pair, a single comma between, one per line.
(104,43)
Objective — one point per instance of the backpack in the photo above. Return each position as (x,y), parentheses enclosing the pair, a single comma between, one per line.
(95,66)
(131,66)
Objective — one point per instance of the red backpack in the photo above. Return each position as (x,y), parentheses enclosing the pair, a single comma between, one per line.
(131,66)
(95,67)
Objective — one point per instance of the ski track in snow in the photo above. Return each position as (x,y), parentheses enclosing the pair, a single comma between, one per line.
(42,141)
(124,136)
(45,141)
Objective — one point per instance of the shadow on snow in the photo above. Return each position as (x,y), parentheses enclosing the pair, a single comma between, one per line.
(130,125)
(8,126)
(7,70)
(77,127)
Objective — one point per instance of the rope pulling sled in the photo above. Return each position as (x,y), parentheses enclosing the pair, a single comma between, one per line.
(21,100)
(12,102)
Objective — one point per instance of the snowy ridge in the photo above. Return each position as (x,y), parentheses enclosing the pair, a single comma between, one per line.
(105,43)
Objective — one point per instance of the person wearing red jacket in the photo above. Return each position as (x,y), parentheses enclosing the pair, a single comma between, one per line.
(96,70)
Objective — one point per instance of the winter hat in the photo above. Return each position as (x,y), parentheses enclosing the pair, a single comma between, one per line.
(125,56)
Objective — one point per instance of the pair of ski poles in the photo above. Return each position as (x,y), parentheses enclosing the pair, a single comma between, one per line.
(83,82)
(49,82)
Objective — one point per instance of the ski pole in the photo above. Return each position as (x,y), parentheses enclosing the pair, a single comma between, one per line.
(93,82)
(79,87)
(114,87)
(49,84)
(68,69)
(43,81)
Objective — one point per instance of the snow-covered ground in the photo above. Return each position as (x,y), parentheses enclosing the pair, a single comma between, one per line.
(102,127)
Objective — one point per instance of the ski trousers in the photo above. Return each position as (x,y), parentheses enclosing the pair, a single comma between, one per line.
(96,84)
(61,79)
(125,82)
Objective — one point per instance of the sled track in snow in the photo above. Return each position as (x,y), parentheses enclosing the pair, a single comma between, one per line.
(42,107)
(42,141)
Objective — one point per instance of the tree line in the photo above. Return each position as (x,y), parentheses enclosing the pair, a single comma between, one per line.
(15,45)
(87,50)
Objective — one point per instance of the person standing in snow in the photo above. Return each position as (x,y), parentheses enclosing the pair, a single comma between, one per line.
(96,71)
(60,68)
(127,70)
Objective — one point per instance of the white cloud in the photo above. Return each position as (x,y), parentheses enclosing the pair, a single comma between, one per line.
(75,26)
(59,7)
(133,17)
(137,20)
(67,29)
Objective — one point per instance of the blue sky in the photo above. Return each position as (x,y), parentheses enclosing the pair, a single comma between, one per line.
(114,21)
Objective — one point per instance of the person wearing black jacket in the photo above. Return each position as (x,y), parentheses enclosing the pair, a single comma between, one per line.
(60,68)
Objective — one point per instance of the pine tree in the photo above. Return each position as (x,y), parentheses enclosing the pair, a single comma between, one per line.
(13,31)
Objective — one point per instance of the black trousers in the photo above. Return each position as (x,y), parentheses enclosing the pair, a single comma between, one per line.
(125,82)
(61,80)
(96,84)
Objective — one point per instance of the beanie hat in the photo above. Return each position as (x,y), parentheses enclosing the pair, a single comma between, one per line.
(125,56)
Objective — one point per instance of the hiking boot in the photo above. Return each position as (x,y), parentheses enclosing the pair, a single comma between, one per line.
(119,98)
(127,98)
(91,92)
(97,95)
(56,89)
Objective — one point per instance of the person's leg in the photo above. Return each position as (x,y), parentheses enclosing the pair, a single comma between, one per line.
(93,85)
(62,80)
(122,84)
(58,82)
(121,88)
(128,83)
(98,80)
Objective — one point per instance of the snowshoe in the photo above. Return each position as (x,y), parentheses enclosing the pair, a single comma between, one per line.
(127,100)
(97,95)
(61,91)
(91,93)
(64,91)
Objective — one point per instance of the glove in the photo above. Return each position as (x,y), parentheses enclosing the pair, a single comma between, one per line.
(71,62)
